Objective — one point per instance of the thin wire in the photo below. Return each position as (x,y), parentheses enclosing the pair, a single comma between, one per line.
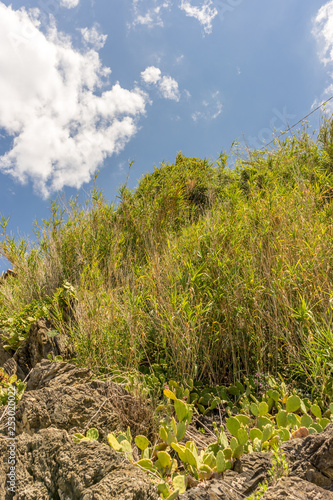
(299,121)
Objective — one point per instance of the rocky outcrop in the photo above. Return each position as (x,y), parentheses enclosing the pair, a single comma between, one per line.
(62,399)
(51,466)
(38,345)
(64,396)
(295,488)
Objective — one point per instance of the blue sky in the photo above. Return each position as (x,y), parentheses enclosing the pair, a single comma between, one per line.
(91,84)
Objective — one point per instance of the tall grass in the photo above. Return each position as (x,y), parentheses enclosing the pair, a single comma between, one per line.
(212,273)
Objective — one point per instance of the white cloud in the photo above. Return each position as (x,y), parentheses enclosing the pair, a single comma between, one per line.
(93,37)
(151,75)
(62,128)
(69,4)
(152,16)
(169,88)
(204,14)
(167,85)
(212,108)
(323,31)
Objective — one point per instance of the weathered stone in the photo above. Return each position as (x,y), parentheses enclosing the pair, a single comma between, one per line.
(311,458)
(50,465)
(248,472)
(295,488)
(75,408)
(39,345)
(12,368)
(251,470)
(50,374)
(212,490)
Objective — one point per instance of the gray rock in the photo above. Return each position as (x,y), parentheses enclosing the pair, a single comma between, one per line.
(295,488)
(39,345)
(64,396)
(50,465)
(311,458)
(50,374)
(212,490)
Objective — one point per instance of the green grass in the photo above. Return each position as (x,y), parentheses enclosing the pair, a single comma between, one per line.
(212,273)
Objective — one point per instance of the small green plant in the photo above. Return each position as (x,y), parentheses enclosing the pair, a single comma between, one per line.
(5,383)
(91,435)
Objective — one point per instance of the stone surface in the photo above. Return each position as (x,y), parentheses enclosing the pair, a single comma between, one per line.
(64,396)
(295,488)
(49,374)
(51,466)
(212,490)
(311,458)
(39,345)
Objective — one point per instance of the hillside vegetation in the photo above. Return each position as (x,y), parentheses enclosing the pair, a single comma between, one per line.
(203,272)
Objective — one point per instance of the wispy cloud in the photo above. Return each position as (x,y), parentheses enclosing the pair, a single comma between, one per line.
(323,32)
(205,13)
(151,15)
(55,106)
(167,85)
(211,108)
(93,37)
(69,4)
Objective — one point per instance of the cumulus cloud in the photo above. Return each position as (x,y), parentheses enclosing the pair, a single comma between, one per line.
(55,106)
(204,14)
(151,16)
(167,85)
(323,32)
(93,37)
(151,75)
(211,108)
(169,88)
(69,4)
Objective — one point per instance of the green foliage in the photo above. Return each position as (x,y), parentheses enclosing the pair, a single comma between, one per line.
(7,382)
(91,435)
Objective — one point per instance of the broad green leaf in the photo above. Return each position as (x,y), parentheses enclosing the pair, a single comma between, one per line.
(164,459)
(145,463)
(293,403)
(281,418)
(238,451)
(233,426)
(169,394)
(141,442)
(181,409)
(180,450)
(113,442)
(284,434)
(242,436)
(92,434)
(254,409)
(316,411)
(267,433)
(180,483)
(190,458)
(263,408)
(181,430)
(324,422)
(243,419)
(220,462)
(173,495)
(306,421)
(255,434)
